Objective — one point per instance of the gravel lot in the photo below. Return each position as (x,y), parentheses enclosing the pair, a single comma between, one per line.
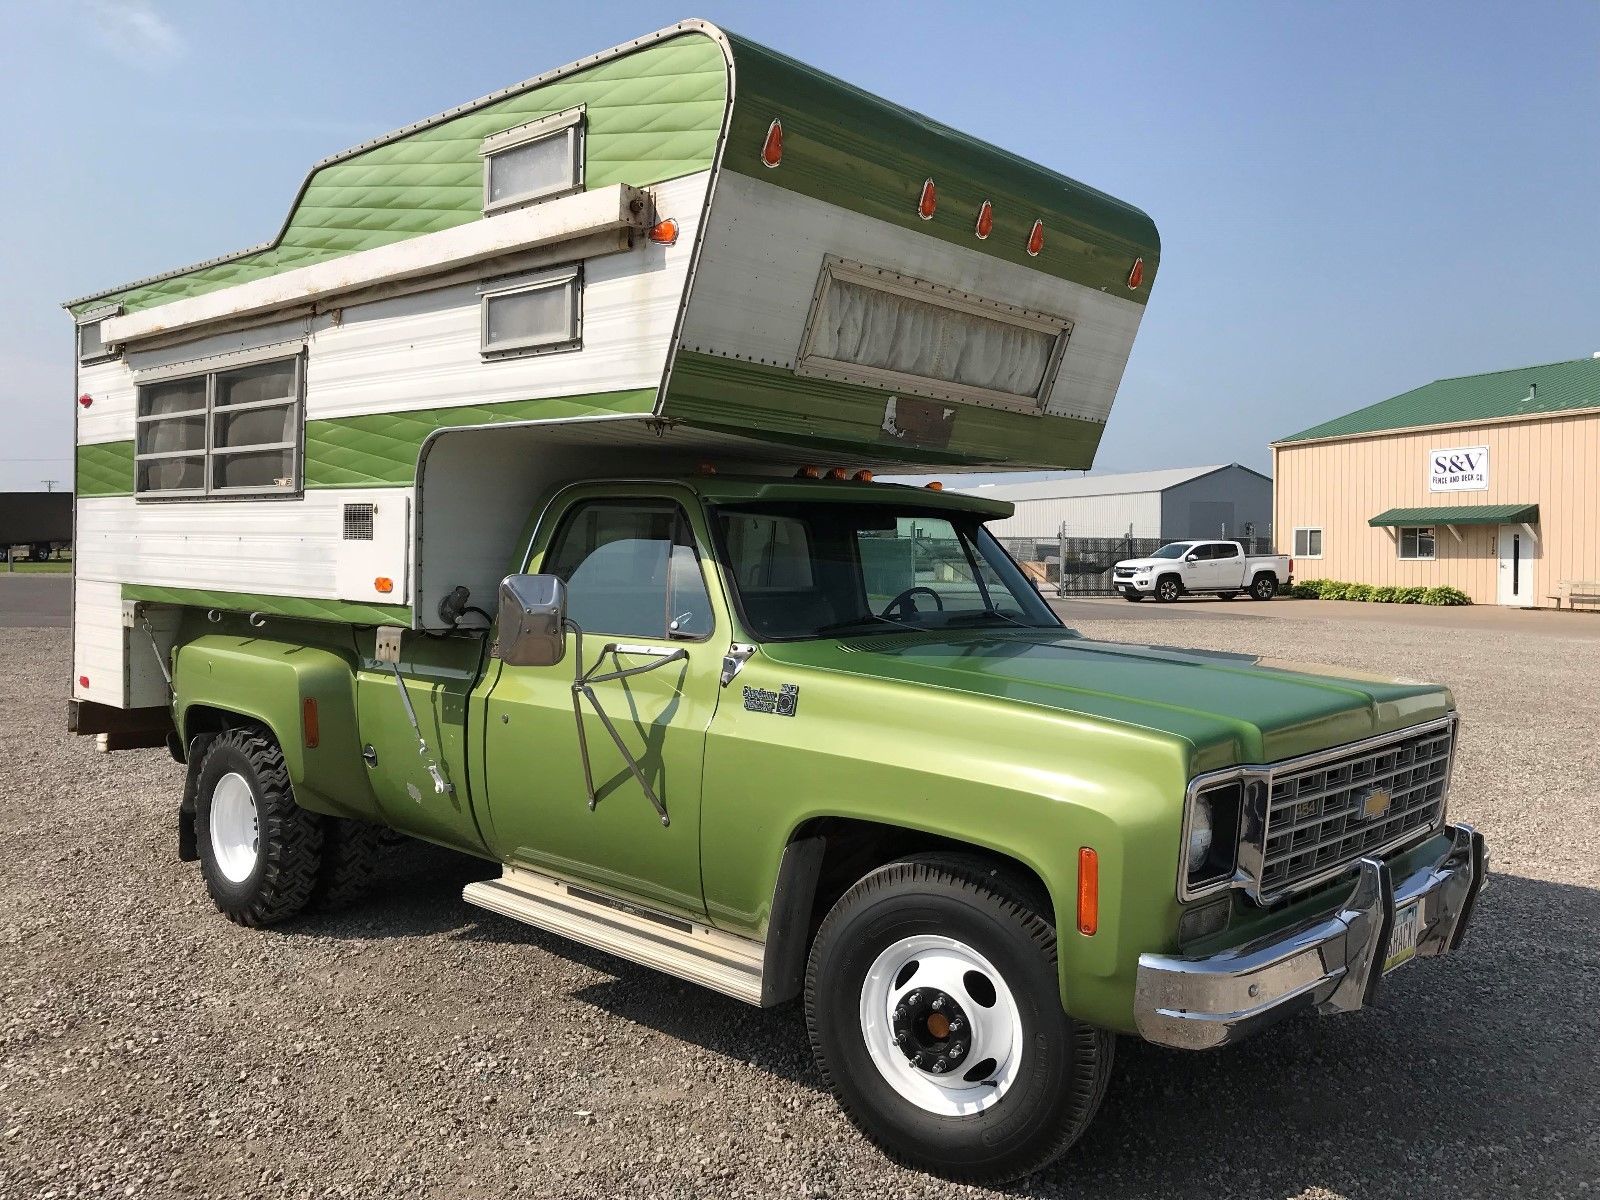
(416,1046)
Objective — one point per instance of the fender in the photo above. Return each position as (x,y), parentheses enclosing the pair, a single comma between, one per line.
(216,677)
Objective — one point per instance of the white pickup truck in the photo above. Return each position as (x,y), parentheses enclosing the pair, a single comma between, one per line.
(1203,567)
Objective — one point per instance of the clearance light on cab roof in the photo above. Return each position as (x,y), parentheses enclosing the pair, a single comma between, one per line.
(862,476)
(1088,891)
(838,473)
(808,473)
(1036,239)
(928,201)
(985,225)
(935,486)
(772,148)
(1136,276)
(664,233)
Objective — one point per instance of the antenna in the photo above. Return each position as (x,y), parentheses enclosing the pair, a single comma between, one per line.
(50,484)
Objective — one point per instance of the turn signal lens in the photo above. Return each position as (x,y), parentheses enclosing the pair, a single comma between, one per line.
(1036,239)
(808,473)
(664,233)
(383,584)
(928,201)
(935,486)
(772,148)
(86,399)
(309,723)
(1088,891)
(985,225)
(1136,276)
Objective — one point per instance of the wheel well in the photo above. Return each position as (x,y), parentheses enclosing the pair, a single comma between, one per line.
(1172,575)
(206,718)
(853,848)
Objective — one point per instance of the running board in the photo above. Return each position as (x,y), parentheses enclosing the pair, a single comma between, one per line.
(720,961)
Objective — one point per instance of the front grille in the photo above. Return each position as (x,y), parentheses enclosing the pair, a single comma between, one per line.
(1124,572)
(1318,821)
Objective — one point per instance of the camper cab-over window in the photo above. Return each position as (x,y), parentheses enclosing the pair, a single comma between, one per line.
(532,162)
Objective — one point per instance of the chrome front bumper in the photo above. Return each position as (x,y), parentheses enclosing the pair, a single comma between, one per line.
(1333,963)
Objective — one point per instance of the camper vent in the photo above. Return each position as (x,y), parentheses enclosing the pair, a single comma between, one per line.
(358,521)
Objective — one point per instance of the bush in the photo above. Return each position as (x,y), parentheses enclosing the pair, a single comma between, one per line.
(1307,589)
(1383,595)
(1409,595)
(1358,591)
(1333,591)
(1445,595)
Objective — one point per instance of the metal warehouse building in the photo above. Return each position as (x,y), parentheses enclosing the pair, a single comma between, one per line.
(1218,501)
(1486,483)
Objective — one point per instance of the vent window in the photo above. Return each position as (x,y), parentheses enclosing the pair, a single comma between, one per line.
(358,522)
(533,162)
(91,343)
(874,326)
(533,314)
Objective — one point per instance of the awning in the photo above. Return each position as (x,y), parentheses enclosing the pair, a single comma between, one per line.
(1460,514)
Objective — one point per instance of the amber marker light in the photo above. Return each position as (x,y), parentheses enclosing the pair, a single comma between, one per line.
(383,584)
(935,486)
(664,233)
(309,723)
(928,201)
(772,148)
(1088,891)
(985,225)
(1136,276)
(1036,239)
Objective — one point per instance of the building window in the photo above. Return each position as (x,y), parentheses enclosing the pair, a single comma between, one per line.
(533,162)
(875,326)
(1417,542)
(91,345)
(229,432)
(1308,542)
(533,314)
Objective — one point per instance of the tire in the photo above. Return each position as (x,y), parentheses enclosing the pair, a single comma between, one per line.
(1263,587)
(986,954)
(39,552)
(350,851)
(260,852)
(1168,589)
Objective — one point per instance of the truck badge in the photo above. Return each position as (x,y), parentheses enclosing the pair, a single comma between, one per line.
(780,703)
(1376,803)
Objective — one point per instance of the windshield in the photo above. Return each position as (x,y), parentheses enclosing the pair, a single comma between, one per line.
(820,570)
(1173,550)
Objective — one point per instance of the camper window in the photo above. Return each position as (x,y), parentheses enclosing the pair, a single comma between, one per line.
(229,432)
(91,345)
(536,161)
(533,314)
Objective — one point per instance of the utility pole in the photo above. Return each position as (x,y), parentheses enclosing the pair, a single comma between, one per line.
(50,484)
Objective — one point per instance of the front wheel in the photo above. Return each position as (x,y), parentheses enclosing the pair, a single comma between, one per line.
(934,1009)
(1265,587)
(1168,590)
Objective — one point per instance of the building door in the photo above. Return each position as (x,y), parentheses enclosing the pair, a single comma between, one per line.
(1518,552)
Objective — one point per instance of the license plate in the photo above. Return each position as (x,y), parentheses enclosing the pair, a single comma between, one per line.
(1403,938)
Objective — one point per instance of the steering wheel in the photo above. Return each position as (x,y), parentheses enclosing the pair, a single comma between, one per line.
(904,599)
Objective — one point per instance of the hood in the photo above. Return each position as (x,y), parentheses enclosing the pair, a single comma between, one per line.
(1148,562)
(1231,708)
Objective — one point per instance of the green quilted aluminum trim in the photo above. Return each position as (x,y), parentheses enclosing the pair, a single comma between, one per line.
(1526,391)
(300,607)
(652,115)
(1459,514)
(754,400)
(105,469)
(381,449)
(850,148)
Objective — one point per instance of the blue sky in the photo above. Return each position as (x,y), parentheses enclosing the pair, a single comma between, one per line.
(1353,199)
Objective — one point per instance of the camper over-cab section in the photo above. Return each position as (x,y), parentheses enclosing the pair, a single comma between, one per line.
(700,245)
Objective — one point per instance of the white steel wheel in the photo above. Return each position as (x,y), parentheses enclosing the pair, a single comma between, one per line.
(941,1025)
(235,827)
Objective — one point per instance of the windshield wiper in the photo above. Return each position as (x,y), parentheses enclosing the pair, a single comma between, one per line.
(868,619)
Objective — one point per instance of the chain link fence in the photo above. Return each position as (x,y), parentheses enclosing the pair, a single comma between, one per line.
(1081,566)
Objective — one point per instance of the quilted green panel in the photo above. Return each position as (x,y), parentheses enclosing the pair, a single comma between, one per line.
(652,115)
(306,608)
(382,448)
(105,469)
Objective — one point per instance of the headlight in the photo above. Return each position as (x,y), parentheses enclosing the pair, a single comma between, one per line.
(1200,833)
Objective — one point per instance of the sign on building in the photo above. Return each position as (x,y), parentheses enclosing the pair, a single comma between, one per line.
(1463,469)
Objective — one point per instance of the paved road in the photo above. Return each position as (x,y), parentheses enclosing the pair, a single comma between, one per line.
(36,601)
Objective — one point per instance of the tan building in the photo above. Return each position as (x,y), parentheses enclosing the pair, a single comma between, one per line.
(1487,483)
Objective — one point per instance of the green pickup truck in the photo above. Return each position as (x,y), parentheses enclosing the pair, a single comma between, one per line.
(800,737)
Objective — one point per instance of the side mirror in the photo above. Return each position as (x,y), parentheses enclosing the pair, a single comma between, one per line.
(1191,558)
(533,620)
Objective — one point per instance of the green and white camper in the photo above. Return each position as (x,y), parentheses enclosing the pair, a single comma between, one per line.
(517,496)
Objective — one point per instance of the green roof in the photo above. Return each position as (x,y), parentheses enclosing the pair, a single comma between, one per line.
(1460,514)
(1551,388)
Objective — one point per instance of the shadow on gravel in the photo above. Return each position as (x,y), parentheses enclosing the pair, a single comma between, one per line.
(1474,1076)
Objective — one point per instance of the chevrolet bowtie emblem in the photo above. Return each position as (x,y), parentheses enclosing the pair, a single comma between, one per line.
(1376,803)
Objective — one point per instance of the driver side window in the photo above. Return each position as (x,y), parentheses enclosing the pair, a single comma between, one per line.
(631,570)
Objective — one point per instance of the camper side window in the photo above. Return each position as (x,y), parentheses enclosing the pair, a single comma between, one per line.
(532,162)
(533,314)
(222,433)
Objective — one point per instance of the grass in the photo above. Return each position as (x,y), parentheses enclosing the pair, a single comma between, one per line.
(55,566)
